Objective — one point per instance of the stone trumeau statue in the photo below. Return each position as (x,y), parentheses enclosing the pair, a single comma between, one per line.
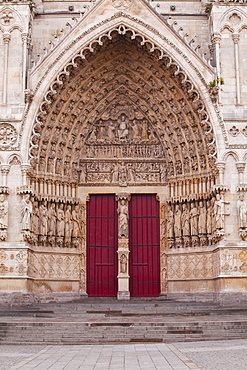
(123,216)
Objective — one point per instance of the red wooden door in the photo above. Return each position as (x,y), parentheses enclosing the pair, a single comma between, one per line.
(144,240)
(102,246)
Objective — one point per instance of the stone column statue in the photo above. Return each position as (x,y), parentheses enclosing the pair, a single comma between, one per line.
(242,212)
(52,220)
(51,223)
(202,219)
(43,218)
(194,220)
(219,211)
(60,225)
(210,217)
(68,226)
(177,222)
(123,264)
(169,223)
(77,226)
(35,221)
(26,211)
(185,221)
(123,246)
(123,216)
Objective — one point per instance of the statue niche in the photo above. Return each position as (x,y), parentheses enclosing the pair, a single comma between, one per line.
(122,150)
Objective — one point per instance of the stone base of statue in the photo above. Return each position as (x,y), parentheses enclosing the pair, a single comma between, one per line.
(123,287)
(186,241)
(218,236)
(51,240)
(195,241)
(75,242)
(178,242)
(203,240)
(170,243)
(243,233)
(42,240)
(27,236)
(67,243)
(123,295)
(59,241)
(3,234)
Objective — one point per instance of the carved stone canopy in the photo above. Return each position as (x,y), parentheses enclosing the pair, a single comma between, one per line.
(119,107)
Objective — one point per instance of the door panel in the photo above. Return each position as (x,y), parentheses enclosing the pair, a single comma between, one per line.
(144,240)
(102,246)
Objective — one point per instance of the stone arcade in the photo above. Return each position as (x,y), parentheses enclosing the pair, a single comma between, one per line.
(123,139)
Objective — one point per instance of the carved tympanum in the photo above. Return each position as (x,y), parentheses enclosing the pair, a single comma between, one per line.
(122,116)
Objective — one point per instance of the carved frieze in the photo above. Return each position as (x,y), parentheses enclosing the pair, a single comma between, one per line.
(122,172)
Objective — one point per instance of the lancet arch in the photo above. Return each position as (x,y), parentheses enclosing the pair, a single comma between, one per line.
(125,76)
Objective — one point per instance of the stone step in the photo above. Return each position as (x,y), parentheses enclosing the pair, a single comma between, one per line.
(103,321)
(80,333)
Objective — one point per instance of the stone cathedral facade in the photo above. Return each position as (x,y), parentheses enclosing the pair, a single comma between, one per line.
(123,148)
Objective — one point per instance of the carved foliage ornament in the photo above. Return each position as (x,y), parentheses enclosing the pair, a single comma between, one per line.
(122,4)
(7,17)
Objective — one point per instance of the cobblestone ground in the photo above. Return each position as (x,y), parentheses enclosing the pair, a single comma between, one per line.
(217,355)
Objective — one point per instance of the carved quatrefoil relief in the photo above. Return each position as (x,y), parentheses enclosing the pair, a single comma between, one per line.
(8,137)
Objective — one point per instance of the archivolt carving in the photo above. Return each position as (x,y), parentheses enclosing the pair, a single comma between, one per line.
(163,114)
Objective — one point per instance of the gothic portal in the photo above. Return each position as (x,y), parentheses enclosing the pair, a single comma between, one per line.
(122,153)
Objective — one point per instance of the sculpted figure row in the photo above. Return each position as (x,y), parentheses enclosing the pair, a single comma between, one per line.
(194,223)
(53,224)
